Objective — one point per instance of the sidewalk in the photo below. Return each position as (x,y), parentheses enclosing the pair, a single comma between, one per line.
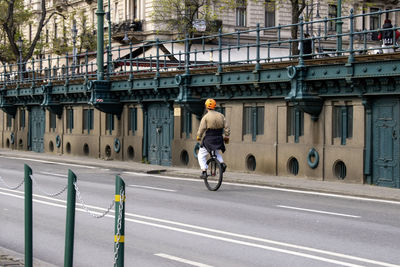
(338,187)
(11,259)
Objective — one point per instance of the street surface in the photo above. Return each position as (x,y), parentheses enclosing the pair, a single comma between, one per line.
(172,221)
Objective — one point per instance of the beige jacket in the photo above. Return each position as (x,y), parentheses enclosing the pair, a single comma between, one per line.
(213,120)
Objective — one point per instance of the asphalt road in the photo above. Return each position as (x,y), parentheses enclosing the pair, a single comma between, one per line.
(177,222)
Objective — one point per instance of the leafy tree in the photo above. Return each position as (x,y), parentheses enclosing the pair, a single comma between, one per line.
(14,16)
(179,15)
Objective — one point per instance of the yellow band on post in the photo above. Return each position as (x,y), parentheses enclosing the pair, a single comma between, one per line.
(118,198)
(121,239)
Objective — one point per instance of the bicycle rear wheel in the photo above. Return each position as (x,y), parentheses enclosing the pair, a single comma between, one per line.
(214,175)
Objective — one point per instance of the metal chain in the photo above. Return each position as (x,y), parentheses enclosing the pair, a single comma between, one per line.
(119,225)
(78,194)
(10,187)
(44,192)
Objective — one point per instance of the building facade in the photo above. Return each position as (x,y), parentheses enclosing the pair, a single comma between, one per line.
(357,125)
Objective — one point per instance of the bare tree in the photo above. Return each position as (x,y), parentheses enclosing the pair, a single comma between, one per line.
(11,25)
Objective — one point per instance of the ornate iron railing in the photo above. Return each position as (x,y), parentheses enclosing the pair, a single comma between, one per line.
(216,50)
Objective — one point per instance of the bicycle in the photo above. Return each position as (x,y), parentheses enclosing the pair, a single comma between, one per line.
(215,170)
(215,173)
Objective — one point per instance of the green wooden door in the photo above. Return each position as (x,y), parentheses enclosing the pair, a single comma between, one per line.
(160,133)
(37,127)
(386,142)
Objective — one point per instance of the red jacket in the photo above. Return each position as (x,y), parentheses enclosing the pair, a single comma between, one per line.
(397,35)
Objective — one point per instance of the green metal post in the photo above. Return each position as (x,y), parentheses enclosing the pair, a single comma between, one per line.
(351,55)
(339,23)
(258,44)
(119,237)
(301,52)
(220,50)
(28,216)
(109,53)
(100,40)
(70,221)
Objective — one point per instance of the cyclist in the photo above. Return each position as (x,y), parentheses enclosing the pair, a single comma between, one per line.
(214,126)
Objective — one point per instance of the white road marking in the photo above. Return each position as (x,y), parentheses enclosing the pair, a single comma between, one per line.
(319,211)
(288,245)
(55,174)
(194,263)
(153,188)
(265,187)
(163,177)
(52,162)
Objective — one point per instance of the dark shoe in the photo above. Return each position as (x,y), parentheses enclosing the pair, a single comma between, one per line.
(223,166)
(203,175)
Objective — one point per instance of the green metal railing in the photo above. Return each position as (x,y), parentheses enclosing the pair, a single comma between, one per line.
(218,50)
(73,192)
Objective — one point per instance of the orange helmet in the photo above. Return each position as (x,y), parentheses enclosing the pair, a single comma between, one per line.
(210,103)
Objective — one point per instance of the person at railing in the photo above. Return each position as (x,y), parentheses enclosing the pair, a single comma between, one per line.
(307,47)
(389,42)
(216,130)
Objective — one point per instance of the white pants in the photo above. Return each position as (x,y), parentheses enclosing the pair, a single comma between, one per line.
(387,49)
(202,157)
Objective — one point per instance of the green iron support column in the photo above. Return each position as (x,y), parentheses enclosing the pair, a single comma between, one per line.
(145,153)
(109,53)
(28,216)
(339,23)
(258,44)
(220,50)
(119,237)
(301,53)
(70,221)
(368,141)
(100,40)
(351,44)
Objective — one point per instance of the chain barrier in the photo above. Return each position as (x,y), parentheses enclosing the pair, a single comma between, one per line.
(46,193)
(11,187)
(119,224)
(84,206)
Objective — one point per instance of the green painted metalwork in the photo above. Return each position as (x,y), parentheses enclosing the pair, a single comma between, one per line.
(100,41)
(386,147)
(339,24)
(28,216)
(160,133)
(70,221)
(37,125)
(368,141)
(119,228)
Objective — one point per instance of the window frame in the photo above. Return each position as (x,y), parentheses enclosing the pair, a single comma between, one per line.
(294,122)
(374,19)
(88,118)
(331,15)
(52,122)
(269,15)
(9,121)
(110,123)
(69,119)
(253,123)
(22,119)
(342,122)
(132,120)
(241,13)
(186,122)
